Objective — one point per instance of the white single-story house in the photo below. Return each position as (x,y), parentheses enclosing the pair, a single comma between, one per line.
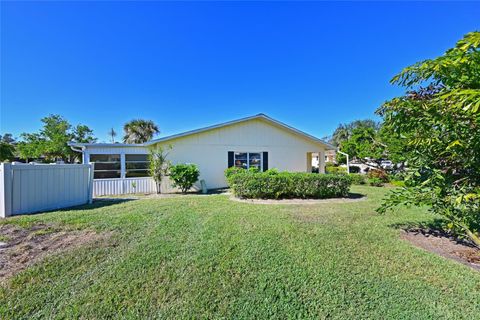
(255,141)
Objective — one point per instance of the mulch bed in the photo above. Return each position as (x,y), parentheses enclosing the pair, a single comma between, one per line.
(22,247)
(444,245)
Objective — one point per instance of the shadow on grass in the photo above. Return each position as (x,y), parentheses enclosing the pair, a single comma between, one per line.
(97,203)
(352,195)
(100,203)
(434,228)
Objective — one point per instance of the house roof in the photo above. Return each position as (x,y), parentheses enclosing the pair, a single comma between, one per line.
(220,125)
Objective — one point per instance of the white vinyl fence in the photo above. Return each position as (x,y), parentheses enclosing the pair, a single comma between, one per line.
(29,188)
(119,186)
(107,187)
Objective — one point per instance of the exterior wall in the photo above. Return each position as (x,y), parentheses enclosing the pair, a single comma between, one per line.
(27,188)
(209,149)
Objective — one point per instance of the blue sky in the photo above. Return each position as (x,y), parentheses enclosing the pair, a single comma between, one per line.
(187,65)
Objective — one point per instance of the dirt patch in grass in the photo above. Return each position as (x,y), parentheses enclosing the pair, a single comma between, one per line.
(443,245)
(22,247)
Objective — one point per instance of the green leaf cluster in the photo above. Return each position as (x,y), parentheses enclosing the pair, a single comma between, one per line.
(272,184)
(184,176)
(159,165)
(51,142)
(439,117)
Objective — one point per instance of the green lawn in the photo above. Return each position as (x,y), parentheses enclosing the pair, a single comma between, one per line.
(210,257)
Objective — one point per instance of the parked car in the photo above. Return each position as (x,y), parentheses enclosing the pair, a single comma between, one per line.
(386,164)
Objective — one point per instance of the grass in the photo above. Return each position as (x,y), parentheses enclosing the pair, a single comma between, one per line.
(209,257)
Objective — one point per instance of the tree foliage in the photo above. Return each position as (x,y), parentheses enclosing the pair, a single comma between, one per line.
(345,131)
(139,131)
(7,138)
(7,147)
(362,139)
(7,151)
(439,118)
(362,143)
(184,176)
(112,133)
(51,142)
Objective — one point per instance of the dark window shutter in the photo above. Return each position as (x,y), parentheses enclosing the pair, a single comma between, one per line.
(230,159)
(265,161)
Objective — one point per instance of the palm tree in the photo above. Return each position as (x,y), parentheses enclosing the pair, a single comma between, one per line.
(139,131)
(112,133)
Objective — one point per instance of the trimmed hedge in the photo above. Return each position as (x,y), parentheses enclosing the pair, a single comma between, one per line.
(358,178)
(333,169)
(287,185)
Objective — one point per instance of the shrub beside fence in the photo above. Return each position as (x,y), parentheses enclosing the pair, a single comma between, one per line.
(287,185)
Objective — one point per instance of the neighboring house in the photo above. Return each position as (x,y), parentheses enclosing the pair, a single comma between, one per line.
(256,141)
(329,157)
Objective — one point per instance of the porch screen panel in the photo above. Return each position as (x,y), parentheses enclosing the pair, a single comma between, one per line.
(107,166)
(137,165)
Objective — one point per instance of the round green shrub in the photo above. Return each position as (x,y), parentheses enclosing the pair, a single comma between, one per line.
(184,176)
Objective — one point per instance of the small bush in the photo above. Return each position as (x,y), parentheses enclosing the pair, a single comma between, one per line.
(335,170)
(184,176)
(378,174)
(358,178)
(375,182)
(253,170)
(272,171)
(284,185)
(398,183)
(354,169)
(232,170)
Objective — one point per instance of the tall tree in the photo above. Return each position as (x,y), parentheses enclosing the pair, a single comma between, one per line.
(344,131)
(7,138)
(359,139)
(139,131)
(7,147)
(52,140)
(439,117)
(362,143)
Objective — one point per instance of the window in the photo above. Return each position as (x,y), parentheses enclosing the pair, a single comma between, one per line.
(136,165)
(248,160)
(106,166)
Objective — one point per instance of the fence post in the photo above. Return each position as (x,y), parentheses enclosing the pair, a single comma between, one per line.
(6,186)
(90,182)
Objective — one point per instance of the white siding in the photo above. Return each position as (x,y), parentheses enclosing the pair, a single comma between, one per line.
(33,188)
(209,150)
